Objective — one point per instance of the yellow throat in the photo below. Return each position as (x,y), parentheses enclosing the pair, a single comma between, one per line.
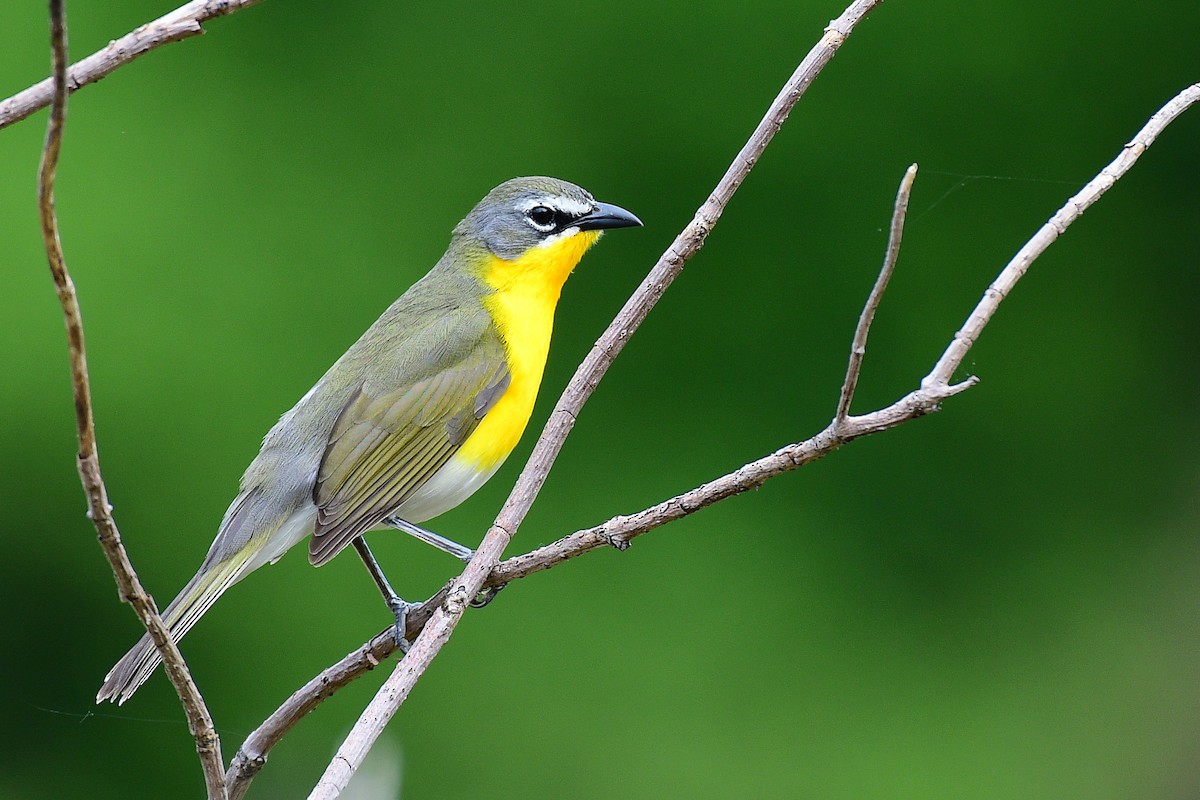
(522,308)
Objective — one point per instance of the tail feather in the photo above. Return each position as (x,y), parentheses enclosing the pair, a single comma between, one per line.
(184,611)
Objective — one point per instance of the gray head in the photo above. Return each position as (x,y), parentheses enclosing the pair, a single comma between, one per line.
(525,212)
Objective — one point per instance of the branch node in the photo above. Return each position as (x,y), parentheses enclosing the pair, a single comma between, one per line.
(962,386)
(456,601)
(620,543)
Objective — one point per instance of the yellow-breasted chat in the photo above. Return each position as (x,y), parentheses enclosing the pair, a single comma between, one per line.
(416,415)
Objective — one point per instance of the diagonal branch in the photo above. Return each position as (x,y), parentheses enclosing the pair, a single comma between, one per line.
(1055,227)
(619,530)
(208,745)
(562,419)
(182,23)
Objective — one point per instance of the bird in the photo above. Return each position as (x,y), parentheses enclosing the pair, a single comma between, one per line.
(415,416)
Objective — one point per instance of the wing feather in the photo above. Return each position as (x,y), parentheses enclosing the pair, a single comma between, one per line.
(386,443)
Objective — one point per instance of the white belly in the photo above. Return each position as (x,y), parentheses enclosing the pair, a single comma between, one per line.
(449,486)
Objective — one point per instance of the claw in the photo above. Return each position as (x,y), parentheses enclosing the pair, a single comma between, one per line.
(395,603)
(400,609)
(486,595)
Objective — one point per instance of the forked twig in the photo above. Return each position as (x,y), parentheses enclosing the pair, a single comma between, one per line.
(935,389)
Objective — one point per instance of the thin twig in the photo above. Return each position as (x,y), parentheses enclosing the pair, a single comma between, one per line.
(208,745)
(252,755)
(619,530)
(858,348)
(1071,211)
(398,685)
(182,23)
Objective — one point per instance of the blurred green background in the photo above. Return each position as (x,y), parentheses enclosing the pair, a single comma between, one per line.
(999,601)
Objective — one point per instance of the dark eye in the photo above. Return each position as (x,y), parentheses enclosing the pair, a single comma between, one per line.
(542,217)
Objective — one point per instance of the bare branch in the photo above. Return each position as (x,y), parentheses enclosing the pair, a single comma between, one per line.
(619,530)
(208,745)
(252,755)
(858,348)
(1071,211)
(562,419)
(182,23)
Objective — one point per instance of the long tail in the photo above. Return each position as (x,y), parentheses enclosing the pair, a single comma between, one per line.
(239,549)
(196,598)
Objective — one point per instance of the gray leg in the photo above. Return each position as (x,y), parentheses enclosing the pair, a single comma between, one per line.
(398,606)
(429,537)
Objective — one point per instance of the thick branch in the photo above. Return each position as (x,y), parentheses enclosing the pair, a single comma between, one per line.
(182,23)
(619,530)
(208,745)
(562,419)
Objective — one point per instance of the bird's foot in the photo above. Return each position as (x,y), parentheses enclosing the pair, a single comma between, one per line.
(400,609)
(486,595)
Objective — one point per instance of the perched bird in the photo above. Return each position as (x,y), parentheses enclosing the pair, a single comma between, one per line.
(416,415)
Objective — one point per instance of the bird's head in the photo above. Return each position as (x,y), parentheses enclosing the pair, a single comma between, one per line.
(522,214)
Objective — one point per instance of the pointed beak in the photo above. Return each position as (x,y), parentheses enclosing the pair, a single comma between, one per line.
(606,216)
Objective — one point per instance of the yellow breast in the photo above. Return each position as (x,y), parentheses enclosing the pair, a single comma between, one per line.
(522,308)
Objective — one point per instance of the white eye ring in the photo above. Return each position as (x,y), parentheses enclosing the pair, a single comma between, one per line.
(541,218)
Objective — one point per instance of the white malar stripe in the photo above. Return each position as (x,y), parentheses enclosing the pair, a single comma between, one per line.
(565,233)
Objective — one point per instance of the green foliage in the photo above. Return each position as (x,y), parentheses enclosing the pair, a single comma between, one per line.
(995,602)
